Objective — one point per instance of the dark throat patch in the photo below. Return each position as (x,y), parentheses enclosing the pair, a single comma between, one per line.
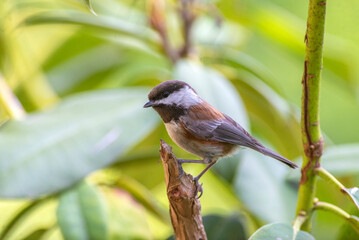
(170,112)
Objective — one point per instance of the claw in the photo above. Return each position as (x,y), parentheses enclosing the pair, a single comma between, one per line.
(199,188)
(200,191)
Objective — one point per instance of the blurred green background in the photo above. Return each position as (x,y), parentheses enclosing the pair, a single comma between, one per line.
(81,161)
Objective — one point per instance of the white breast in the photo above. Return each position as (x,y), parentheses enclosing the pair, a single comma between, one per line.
(175,132)
(178,135)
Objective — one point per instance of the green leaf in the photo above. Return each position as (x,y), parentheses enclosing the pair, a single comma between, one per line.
(19,217)
(36,235)
(342,160)
(261,186)
(219,227)
(89,5)
(82,66)
(128,219)
(107,23)
(82,213)
(240,60)
(115,178)
(87,62)
(208,32)
(280,231)
(224,227)
(83,133)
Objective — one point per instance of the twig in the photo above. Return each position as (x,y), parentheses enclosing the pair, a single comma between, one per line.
(157,20)
(298,222)
(188,18)
(339,212)
(311,135)
(185,208)
(325,175)
(331,208)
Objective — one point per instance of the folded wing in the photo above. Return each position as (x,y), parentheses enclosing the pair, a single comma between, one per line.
(227,130)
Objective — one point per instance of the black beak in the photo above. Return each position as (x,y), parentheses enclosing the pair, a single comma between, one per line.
(148,104)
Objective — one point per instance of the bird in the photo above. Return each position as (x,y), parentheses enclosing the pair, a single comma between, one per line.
(199,128)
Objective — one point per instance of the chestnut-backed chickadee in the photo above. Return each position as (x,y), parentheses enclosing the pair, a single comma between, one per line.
(199,128)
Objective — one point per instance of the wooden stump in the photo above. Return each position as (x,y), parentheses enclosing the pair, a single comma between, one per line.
(185,207)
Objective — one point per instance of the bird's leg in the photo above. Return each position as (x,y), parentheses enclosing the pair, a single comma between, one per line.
(181,161)
(210,163)
(189,161)
(196,179)
(204,170)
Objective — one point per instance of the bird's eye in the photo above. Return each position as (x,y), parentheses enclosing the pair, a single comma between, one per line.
(165,94)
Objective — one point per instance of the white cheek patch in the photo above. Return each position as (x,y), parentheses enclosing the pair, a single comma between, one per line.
(185,97)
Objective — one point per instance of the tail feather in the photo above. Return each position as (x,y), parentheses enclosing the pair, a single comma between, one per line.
(272,154)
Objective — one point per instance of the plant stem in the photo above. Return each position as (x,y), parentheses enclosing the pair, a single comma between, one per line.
(332,208)
(311,136)
(188,18)
(10,102)
(321,172)
(157,19)
(352,220)
(298,222)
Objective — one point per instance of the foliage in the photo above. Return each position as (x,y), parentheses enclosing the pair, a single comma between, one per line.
(78,154)
(279,230)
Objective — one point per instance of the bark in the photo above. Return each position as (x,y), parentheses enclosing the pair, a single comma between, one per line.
(185,207)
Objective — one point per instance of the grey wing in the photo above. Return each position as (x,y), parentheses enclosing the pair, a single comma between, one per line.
(202,129)
(222,130)
(227,130)
(231,132)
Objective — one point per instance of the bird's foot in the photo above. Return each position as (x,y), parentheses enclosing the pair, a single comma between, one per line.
(199,188)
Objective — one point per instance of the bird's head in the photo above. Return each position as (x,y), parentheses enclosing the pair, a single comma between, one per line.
(173,93)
